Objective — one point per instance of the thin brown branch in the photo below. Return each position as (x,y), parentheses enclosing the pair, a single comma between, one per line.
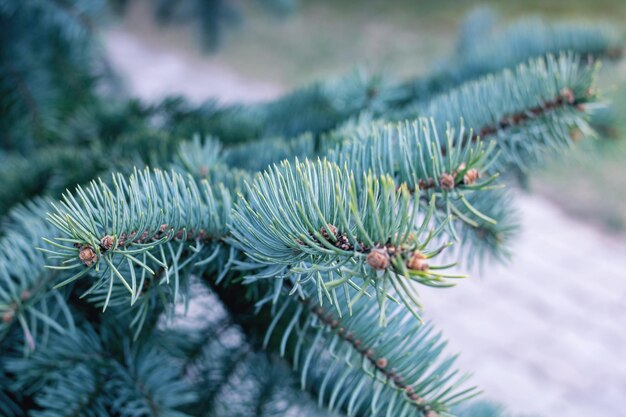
(380,363)
(566,98)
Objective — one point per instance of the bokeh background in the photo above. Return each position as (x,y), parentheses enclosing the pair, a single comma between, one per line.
(543,334)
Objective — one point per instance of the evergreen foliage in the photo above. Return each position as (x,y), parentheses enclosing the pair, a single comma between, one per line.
(295,233)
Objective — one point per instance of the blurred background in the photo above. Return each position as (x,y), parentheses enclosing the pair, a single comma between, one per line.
(543,333)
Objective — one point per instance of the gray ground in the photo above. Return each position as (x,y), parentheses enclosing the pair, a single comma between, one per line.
(545,334)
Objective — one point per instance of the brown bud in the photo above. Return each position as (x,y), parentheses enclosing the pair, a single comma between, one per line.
(424,184)
(25,295)
(369,353)
(8,315)
(417,261)
(107,242)
(378,259)
(471,176)
(324,231)
(343,243)
(382,363)
(87,256)
(414,397)
(447,182)
(575,134)
(568,95)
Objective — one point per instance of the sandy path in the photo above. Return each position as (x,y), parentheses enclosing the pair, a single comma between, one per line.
(546,333)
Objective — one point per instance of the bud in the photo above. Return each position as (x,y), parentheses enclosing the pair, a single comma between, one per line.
(107,242)
(417,261)
(471,176)
(8,315)
(576,134)
(447,182)
(378,259)
(332,229)
(87,256)
(568,95)
(382,363)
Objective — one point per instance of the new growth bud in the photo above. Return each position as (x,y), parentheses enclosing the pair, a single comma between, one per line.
(378,259)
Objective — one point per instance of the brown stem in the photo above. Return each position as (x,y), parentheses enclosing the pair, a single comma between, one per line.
(565,98)
(380,363)
(88,256)
(131,238)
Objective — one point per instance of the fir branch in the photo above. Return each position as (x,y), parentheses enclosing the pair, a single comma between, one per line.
(9,406)
(529,112)
(315,222)
(397,371)
(80,393)
(198,156)
(492,50)
(564,99)
(111,231)
(130,381)
(415,153)
(27,299)
(434,163)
